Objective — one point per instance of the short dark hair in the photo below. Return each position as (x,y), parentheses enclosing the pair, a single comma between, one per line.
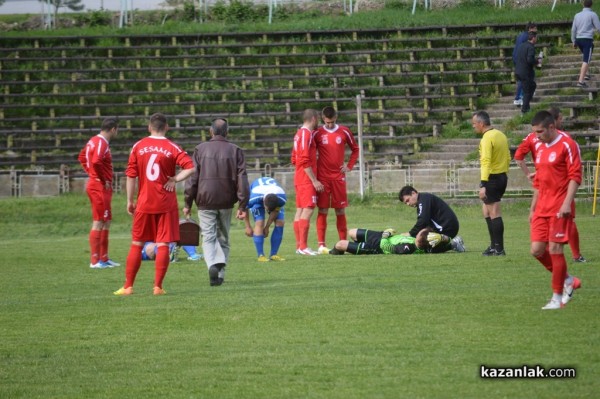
(158,122)
(406,190)
(531,35)
(309,114)
(271,202)
(483,117)
(531,25)
(554,111)
(587,3)
(220,127)
(329,112)
(543,118)
(109,124)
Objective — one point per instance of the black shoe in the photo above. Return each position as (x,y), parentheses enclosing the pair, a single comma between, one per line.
(499,253)
(581,259)
(587,77)
(213,274)
(488,251)
(582,84)
(336,251)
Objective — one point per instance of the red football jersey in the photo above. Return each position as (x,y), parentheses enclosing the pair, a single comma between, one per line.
(530,144)
(304,155)
(331,146)
(556,164)
(96,159)
(153,160)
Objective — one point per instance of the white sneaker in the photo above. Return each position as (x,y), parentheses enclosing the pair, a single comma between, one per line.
(99,265)
(553,305)
(306,251)
(458,244)
(571,284)
(323,250)
(518,102)
(112,263)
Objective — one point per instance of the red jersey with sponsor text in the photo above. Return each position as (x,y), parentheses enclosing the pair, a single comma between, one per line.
(96,159)
(331,146)
(556,164)
(153,160)
(304,155)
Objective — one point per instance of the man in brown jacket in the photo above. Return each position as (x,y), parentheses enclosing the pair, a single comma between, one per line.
(218,182)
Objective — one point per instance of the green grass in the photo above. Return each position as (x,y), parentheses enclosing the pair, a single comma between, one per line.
(325,327)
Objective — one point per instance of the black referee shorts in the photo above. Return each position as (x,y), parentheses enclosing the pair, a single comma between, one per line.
(495,188)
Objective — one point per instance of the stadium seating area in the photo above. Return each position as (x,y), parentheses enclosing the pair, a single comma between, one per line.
(410,81)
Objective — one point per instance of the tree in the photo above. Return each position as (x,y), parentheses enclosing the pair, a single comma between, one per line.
(73,5)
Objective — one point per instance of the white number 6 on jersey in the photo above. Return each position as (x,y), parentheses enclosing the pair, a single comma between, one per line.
(152,169)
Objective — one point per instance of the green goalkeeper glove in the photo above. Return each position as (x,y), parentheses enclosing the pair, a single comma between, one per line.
(387,233)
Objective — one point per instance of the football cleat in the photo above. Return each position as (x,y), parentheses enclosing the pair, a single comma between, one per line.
(124,291)
(581,259)
(571,284)
(263,258)
(458,244)
(159,291)
(99,265)
(553,305)
(306,251)
(196,257)
(111,263)
(276,258)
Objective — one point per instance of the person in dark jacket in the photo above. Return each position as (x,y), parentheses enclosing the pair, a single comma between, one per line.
(435,214)
(218,182)
(522,38)
(525,69)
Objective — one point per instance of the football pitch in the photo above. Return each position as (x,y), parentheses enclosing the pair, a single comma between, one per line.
(414,326)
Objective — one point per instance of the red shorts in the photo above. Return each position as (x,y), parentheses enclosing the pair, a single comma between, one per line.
(306,196)
(155,227)
(100,198)
(550,229)
(334,195)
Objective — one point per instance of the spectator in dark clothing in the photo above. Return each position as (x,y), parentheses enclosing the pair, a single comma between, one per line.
(525,69)
(522,38)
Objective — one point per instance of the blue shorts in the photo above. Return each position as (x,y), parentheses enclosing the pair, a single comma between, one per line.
(586,46)
(259,213)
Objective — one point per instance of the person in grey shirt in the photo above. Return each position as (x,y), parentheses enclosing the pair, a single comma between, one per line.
(582,36)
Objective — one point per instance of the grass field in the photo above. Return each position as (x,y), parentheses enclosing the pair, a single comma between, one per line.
(323,327)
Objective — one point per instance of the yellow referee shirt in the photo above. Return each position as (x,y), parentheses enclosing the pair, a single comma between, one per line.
(494,154)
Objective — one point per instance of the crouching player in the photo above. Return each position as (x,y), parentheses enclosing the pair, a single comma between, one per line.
(388,242)
(266,197)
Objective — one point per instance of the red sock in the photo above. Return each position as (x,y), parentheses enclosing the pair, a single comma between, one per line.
(546,260)
(574,240)
(303,227)
(134,261)
(297,233)
(104,245)
(161,264)
(559,272)
(94,246)
(321,228)
(342,226)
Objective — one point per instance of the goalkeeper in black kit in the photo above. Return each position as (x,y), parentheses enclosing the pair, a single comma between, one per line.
(434,214)
(387,242)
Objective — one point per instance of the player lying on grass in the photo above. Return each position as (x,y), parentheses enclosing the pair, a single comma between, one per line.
(388,242)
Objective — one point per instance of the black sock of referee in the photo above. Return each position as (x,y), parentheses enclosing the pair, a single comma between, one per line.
(498,232)
(488,221)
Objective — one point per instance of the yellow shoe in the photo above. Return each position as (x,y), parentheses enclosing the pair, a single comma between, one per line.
(263,258)
(159,291)
(277,258)
(124,291)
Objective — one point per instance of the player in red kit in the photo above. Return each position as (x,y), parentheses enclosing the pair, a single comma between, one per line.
(96,160)
(332,140)
(152,162)
(557,177)
(530,144)
(304,158)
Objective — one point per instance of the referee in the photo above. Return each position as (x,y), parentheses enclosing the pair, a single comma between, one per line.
(494,157)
